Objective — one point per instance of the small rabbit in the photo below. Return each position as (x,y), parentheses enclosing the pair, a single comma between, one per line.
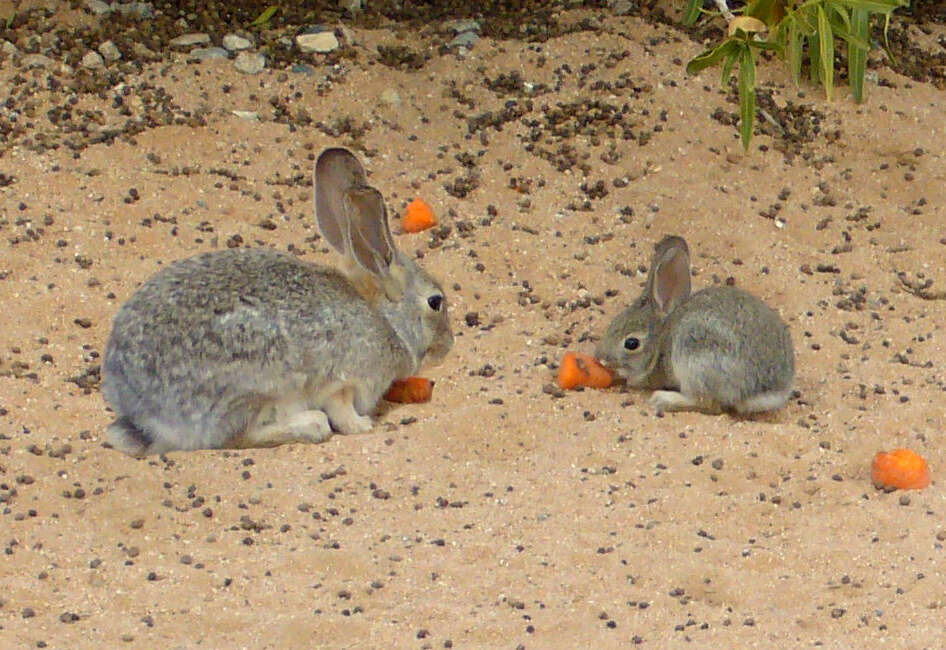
(251,347)
(719,349)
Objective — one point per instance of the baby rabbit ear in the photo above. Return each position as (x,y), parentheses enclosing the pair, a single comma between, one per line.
(369,238)
(336,171)
(670,274)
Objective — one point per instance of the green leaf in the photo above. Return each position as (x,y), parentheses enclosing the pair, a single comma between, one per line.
(806,16)
(265,17)
(693,10)
(886,42)
(826,53)
(873,6)
(764,45)
(768,11)
(814,71)
(839,10)
(746,95)
(794,50)
(856,55)
(729,47)
(728,65)
(854,40)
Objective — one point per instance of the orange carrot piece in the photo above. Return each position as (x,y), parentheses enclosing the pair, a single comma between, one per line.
(418,216)
(583,370)
(412,390)
(900,469)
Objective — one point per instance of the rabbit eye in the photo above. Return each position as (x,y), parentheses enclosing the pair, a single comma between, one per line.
(632,343)
(435,302)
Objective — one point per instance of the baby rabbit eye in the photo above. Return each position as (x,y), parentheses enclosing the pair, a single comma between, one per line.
(435,302)
(632,343)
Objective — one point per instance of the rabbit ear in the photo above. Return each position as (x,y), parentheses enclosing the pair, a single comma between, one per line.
(670,275)
(369,239)
(336,172)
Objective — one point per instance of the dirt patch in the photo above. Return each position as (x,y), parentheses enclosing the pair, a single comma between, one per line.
(504,512)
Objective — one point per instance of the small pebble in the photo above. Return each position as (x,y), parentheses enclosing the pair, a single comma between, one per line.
(389,97)
(189,40)
(36,61)
(302,68)
(236,43)
(466,39)
(98,7)
(110,51)
(462,25)
(208,53)
(321,42)
(621,7)
(139,10)
(250,62)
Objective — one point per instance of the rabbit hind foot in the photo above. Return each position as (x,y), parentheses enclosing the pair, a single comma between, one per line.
(303,426)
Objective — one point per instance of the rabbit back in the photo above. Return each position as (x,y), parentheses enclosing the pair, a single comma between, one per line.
(718,349)
(209,345)
(726,347)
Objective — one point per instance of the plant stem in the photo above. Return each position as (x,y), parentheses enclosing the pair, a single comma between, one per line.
(724,10)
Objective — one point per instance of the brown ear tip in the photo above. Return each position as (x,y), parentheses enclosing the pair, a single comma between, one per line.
(334,151)
(670,242)
(341,163)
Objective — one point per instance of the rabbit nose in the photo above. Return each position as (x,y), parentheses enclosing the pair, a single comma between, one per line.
(601,354)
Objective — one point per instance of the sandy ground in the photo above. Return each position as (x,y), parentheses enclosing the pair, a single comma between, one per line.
(500,514)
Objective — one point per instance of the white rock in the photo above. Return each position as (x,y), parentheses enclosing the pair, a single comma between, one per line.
(621,7)
(322,42)
(109,51)
(207,53)
(189,40)
(98,7)
(250,62)
(9,50)
(460,26)
(253,116)
(351,6)
(235,42)
(389,97)
(134,9)
(93,61)
(464,39)
(141,51)
(36,61)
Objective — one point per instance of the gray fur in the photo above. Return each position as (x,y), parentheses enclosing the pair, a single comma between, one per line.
(719,349)
(251,347)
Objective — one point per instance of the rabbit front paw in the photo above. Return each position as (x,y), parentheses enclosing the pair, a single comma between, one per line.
(341,412)
(667,401)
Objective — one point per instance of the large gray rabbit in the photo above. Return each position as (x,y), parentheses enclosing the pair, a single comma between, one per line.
(251,347)
(719,349)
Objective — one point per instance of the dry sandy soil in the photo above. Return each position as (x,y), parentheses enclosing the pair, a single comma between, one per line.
(503,513)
